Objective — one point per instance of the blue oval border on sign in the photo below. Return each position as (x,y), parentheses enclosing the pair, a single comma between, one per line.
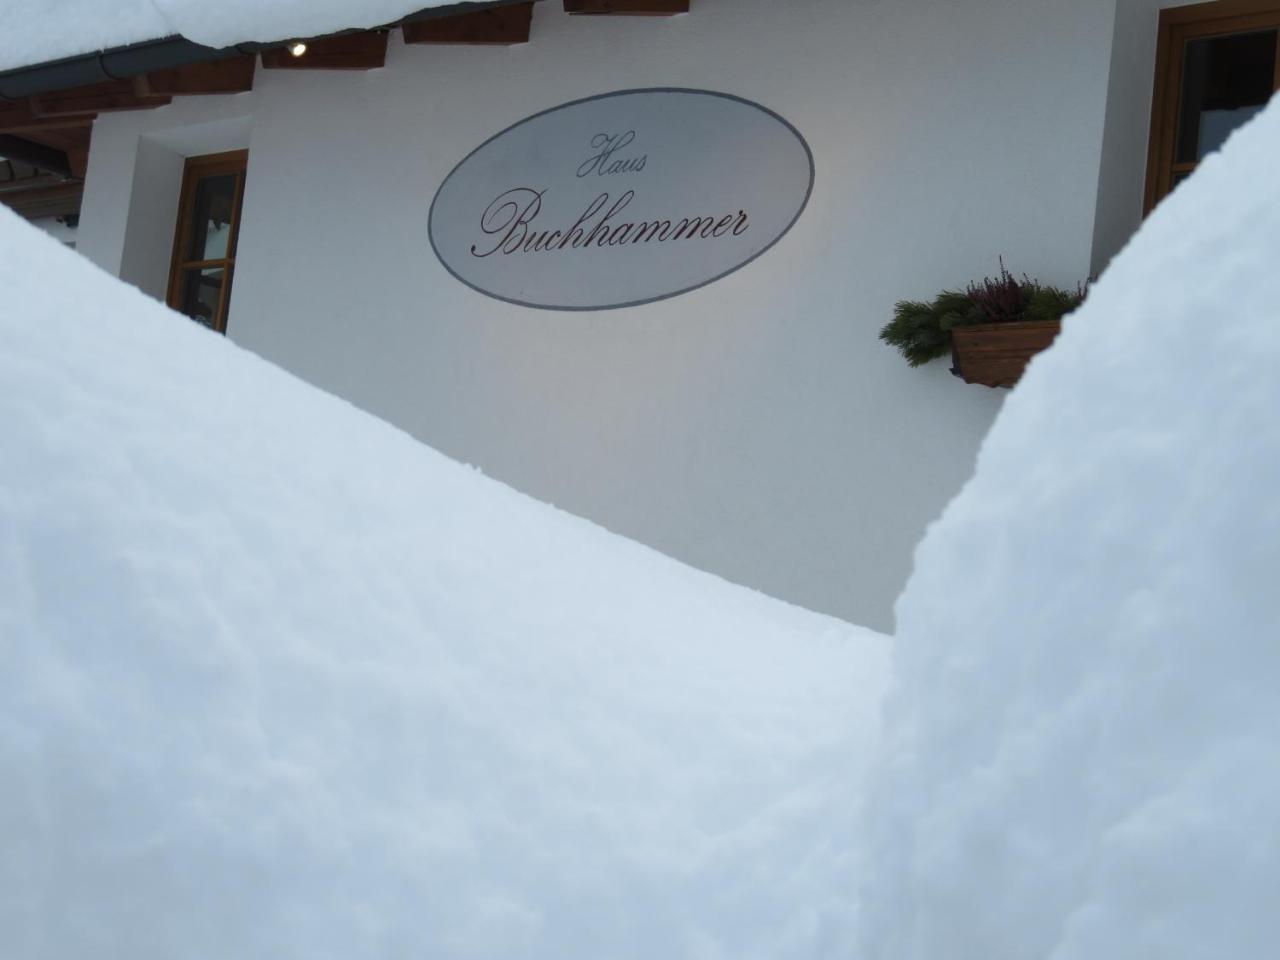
(604,96)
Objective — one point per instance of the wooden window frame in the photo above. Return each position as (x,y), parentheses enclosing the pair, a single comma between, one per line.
(195,169)
(1179,25)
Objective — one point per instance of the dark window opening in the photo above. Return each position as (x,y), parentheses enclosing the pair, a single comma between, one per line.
(205,239)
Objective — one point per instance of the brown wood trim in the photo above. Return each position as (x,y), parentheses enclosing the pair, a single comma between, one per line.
(1215,9)
(54,200)
(17,115)
(18,119)
(78,158)
(94,98)
(628,8)
(1177,26)
(232,75)
(351,51)
(226,162)
(496,26)
(1164,106)
(204,264)
(78,106)
(72,140)
(232,161)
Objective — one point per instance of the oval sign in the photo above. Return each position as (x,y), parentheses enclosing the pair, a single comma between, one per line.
(621,199)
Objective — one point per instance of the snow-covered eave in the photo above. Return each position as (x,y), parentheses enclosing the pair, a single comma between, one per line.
(60,59)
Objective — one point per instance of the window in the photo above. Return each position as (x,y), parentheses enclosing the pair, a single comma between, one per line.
(204,243)
(1217,65)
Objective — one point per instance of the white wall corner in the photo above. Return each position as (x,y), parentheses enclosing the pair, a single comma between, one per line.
(1123,169)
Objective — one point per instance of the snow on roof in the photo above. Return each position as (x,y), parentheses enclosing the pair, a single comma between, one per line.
(38,31)
(1084,758)
(278,681)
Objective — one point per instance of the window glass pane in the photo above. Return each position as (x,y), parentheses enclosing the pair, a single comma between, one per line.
(211,221)
(202,292)
(1225,81)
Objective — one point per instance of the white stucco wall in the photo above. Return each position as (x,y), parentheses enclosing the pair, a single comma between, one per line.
(755,427)
(1124,150)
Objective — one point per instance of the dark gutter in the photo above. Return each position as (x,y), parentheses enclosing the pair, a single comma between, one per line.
(165,53)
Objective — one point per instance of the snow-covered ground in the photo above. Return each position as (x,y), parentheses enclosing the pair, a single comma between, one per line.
(1083,750)
(36,31)
(277,681)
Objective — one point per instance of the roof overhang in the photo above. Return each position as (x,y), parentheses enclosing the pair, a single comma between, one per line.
(167,53)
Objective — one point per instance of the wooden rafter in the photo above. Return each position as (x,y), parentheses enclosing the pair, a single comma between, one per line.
(351,51)
(628,8)
(78,158)
(16,175)
(42,156)
(232,75)
(495,26)
(94,98)
(19,118)
(55,200)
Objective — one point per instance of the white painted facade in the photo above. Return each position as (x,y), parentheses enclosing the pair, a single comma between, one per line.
(755,427)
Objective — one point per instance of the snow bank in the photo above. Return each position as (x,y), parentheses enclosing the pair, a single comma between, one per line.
(1083,755)
(278,681)
(37,31)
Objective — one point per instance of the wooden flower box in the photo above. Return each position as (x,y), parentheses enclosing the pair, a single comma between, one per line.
(995,354)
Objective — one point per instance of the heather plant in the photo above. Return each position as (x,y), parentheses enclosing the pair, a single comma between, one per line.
(1001,299)
(921,331)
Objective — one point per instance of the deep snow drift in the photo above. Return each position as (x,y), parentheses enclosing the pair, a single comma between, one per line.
(36,31)
(277,681)
(1083,756)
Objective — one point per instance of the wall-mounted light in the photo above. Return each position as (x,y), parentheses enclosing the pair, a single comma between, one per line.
(297,48)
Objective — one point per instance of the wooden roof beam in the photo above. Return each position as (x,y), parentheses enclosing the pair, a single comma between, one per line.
(496,26)
(232,75)
(349,51)
(94,98)
(18,118)
(39,155)
(57,200)
(628,8)
(78,158)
